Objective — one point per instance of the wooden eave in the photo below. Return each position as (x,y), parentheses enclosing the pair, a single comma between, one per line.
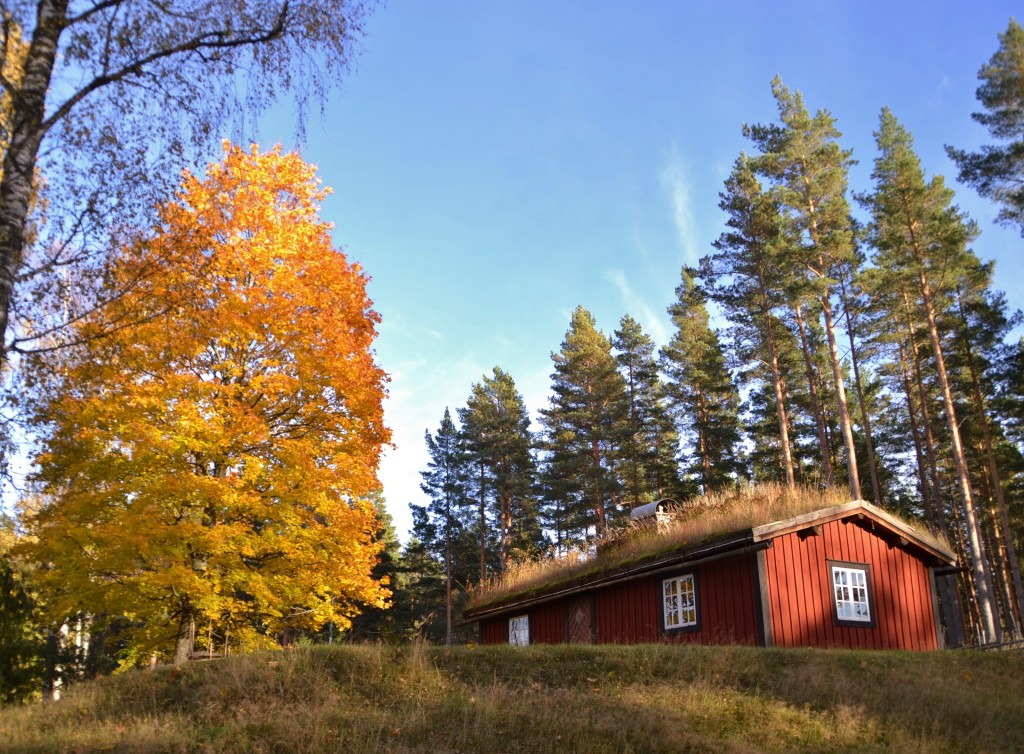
(870,517)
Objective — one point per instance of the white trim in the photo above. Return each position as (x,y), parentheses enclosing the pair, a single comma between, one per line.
(519,630)
(679,602)
(850,593)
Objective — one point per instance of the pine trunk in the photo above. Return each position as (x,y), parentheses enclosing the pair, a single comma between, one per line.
(448,571)
(982,577)
(924,447)
(928,495)
(1006,540)
(780,403)
(876,486)
(812,386)
(844,411)
(483,526)
(599,511)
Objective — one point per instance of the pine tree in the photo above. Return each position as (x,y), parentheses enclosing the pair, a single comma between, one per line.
(496,428)
(584,430)
(386,622)
(921,241)
(997,171)
(803,157)
(704,399)
(744,278)
(648,466)
(444,481)
(854,302)
(981,323)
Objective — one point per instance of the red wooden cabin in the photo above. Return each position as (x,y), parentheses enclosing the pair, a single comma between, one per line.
(847,576)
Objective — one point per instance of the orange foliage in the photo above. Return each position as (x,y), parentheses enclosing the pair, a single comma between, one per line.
(206,467)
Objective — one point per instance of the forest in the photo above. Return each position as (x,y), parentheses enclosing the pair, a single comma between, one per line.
(809,348)
(206,414)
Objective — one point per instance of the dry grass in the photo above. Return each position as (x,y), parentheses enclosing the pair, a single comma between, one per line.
(695,521)
(645,698)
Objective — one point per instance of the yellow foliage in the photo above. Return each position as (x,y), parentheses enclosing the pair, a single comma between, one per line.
(208,465)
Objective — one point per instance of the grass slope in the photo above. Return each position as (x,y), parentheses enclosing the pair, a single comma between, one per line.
(645,698)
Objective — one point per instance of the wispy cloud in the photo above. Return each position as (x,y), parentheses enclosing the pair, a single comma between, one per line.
(638,306)
(674,181)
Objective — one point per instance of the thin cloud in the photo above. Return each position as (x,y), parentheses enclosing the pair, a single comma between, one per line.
(676,185)
(638,307)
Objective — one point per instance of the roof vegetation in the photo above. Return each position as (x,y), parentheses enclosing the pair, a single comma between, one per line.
(691,523)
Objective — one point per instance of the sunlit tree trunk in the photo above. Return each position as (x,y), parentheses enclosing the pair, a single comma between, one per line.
(812,387)
(876,487)
(1006,545)
(982,577)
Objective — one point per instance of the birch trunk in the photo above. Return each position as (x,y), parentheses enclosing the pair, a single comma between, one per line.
(28,110)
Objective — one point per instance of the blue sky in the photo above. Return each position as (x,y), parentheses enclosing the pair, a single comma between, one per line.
(496,164)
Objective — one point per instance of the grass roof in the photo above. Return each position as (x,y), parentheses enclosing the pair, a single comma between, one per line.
(691,523)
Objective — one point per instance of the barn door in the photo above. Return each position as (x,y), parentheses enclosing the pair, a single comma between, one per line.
(579,628)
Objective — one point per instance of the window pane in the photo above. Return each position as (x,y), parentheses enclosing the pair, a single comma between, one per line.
(851,593)
(679,602)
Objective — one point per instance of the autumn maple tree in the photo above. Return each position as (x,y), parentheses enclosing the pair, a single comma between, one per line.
(206,472)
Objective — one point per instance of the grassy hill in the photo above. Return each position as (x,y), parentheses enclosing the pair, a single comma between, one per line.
(647,698)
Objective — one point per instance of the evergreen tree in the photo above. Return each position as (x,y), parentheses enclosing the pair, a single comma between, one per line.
(422,597)
(22,635)
(704,399)
(980,324)
(997,171)
(424,586)
(921,240)
(496,428)
(648,466)
(388,622)
(444,481)
(744,278)
(854,303)
(585,424)
(803,157)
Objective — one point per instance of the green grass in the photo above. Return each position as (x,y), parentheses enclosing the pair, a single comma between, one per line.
(644,698)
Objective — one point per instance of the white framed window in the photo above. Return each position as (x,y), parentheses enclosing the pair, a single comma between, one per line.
(519,631)
(851,593)
(679,602)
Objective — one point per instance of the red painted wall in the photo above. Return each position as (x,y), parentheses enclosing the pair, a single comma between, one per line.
(630,612)
(800,596)
(547,625)
(800,602)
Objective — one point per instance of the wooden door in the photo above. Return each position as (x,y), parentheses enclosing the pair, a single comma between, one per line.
(579,620)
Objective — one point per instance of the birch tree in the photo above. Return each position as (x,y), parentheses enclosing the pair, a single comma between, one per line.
(112,98)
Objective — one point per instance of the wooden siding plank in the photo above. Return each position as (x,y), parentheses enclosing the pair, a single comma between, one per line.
(779,584)
(789,602)
(900,593)
(817,573)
